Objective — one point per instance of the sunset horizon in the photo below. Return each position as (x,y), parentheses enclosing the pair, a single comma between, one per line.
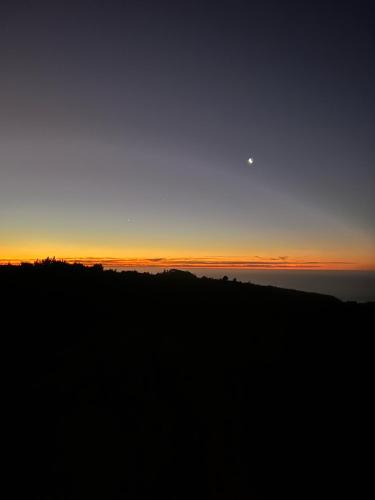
(202,262)
(187,247)
(138,135)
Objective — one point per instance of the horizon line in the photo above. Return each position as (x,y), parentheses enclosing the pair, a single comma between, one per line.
(276,263)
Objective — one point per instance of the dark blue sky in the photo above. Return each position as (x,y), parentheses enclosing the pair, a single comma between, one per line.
(125,128)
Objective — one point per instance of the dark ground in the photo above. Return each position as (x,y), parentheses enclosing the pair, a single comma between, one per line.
(137,386)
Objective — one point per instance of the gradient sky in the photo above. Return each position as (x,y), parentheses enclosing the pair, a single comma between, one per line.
(125,128)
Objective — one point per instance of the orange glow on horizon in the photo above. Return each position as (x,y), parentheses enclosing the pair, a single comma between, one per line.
(252,263)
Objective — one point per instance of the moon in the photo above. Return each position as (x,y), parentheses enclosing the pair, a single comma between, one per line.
(250,161)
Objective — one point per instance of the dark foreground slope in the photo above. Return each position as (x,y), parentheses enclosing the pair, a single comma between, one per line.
(138,386)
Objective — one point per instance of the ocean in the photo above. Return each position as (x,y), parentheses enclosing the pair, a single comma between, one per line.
(346,285)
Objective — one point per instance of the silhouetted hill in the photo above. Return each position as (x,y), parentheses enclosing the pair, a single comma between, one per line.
(132,385)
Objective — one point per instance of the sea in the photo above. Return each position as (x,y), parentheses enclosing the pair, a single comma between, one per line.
(356,286)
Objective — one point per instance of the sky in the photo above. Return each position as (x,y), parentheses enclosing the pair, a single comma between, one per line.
(125,129)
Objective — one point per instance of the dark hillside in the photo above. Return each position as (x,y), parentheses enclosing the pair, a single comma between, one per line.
(135,386)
